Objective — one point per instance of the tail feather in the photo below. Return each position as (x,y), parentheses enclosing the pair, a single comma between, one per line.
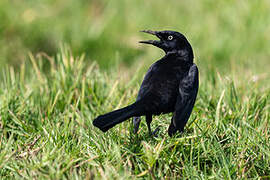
(109,120)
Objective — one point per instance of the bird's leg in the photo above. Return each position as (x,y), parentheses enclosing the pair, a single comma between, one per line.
(136,124)
(173,129)
(148,121)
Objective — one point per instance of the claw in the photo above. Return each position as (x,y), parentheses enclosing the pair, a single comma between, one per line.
(154,134)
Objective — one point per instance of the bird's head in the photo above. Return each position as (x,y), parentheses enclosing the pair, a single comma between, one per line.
(171,42)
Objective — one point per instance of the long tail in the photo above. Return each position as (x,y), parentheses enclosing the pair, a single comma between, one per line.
(109,120)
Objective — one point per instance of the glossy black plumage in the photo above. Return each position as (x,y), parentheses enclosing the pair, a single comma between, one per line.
(170,85)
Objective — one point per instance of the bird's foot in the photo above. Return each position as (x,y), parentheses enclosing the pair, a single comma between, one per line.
(155,132)
(135,130)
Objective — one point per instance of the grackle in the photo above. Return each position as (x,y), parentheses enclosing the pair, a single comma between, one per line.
(170,85)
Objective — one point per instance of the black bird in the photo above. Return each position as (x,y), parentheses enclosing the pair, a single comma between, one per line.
(170,85)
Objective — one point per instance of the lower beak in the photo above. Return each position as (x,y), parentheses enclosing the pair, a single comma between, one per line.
(153,42)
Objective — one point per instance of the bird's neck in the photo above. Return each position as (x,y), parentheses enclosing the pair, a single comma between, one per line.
(183,55)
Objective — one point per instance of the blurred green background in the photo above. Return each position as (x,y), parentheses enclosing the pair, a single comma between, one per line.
(227,136)
(221,32)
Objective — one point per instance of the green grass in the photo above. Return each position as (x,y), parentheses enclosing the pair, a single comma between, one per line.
(47,132)
(49,97)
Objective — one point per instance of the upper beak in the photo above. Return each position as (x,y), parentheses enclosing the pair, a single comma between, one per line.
(149,32)
(153,42)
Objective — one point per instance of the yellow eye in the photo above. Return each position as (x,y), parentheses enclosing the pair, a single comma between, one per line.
(170,37)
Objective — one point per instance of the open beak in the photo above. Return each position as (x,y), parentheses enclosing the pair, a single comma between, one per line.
(153,42)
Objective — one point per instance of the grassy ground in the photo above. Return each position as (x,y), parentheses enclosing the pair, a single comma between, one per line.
(47,132)
(49,97)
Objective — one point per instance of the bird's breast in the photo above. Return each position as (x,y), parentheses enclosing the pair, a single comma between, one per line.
(161,85)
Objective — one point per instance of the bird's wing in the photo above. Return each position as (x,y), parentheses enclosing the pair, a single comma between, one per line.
(188,89)
(147,82)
